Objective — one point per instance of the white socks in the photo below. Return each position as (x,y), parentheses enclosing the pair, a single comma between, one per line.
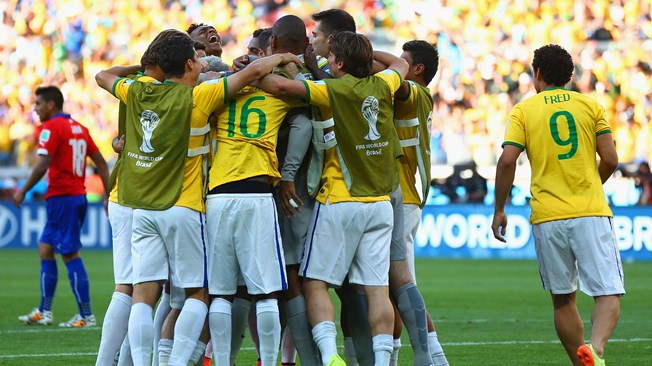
(141,333)
(393,361)
(324,334)
(114,328)
(198,353)
(164,350)
(187,330)
(219,318)
(436,352)
(383,345)
(269,330)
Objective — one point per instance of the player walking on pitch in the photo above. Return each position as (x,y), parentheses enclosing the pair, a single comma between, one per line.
(561,131)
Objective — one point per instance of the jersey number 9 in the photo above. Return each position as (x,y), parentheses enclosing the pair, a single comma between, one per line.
(572,134)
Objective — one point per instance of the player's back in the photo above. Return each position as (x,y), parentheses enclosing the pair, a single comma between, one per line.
(561,129)
(68,143)
(247,132)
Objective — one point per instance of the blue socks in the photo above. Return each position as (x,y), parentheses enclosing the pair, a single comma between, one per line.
(80,287)
(49,277)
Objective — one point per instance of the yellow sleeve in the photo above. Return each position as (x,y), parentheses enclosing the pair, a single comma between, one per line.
(317,94)
(601,125)
(515,132)
(209,95)
(121,87)
(407,108)
(392,78)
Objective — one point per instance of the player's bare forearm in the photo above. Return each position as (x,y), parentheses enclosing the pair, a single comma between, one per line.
(606,149)
(102,170)
(505,171)
(278,85)
(504,181)
(257,70)
(393,62)
(37,173)
(606,169)
(106,78)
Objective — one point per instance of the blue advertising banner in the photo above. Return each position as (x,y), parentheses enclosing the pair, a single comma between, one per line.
(464,231)
(451,231)
(21,227)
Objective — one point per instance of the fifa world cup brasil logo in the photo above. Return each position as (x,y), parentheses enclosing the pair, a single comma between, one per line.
(370,113)
(148,120)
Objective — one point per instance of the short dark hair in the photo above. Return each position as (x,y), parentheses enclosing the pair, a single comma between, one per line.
(264,39)
(257,32)
(333,20)
(290,33)
(194,26)
(173,54)
(50,94)
(354,50)
(426,54)
(554,63)
(149,58)
(199,45)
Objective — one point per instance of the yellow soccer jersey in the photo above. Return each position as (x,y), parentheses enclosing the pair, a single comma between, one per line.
(207,98)
(407,164)
(558,130)
(113,196)
(247,130)
(333,187)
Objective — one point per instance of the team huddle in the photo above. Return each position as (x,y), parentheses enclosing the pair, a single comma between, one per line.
(265,185)
(243,193)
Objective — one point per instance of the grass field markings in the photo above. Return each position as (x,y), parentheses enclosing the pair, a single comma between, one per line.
(68,354)
(445,344)
(509,343)
(40,329)
(15,331)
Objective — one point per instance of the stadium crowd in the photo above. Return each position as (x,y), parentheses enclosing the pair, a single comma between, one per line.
(485,49)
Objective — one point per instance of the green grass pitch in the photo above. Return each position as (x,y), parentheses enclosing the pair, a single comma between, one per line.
(486,313)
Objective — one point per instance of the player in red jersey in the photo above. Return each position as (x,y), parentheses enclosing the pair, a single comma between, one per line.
(63,147)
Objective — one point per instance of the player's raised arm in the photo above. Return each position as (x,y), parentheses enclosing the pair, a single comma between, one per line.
(278,85)
(257,70)
(107,78)
(393,62)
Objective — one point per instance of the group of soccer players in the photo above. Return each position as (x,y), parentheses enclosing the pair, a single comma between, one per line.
(267,184)
(304,167)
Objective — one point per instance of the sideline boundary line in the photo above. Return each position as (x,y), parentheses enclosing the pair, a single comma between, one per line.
(447,344)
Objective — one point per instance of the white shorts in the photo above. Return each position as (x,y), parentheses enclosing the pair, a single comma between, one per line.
(411,221)
(398,250)
(294,230)
(244,238)
(169,244)
(349,238)
(585,246)
(120,218)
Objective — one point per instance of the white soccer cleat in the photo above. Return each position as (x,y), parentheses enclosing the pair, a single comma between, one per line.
(78,322)
(37,317)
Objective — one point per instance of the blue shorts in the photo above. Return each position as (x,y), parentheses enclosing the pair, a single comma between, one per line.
(65,217)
